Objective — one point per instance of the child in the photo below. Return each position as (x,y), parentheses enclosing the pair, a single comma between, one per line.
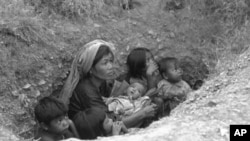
(94,122)
(51,115)
(133,101)
(172,88)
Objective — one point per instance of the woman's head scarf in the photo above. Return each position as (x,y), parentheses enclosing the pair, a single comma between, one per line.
(81,66)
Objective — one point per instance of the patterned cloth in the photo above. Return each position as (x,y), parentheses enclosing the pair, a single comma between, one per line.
(123,106)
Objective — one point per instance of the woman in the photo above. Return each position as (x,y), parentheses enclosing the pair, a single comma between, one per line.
(142,68)
(85,86)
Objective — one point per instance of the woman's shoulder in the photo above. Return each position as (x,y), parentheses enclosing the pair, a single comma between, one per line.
(84,86)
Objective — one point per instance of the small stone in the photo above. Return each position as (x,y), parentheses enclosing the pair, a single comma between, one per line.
(41,82)
(15,93)
(211,104)
(24,100)
(27,86)
(223,132)
(134,23)
(37,93)
(161,46)
(32,122)
(60,65)
(42,71)
(33,84)
(127,48)
(151,32)
(171,35)
(96,25)
(22,97)
(158,40)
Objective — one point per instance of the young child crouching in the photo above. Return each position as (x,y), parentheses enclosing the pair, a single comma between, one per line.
(172,88)
(51,115)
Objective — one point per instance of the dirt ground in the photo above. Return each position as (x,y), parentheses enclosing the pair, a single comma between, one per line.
(38,41)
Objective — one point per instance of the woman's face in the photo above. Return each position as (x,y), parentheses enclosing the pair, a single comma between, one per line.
(104,68)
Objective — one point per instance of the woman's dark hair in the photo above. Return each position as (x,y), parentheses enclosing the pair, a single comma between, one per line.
(102,51)
(136,62)
(48,109)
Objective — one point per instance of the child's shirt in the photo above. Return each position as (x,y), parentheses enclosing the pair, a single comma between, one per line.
(174,93)
(122,105)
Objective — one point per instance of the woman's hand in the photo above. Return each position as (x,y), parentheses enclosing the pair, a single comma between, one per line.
(152,74)
(152,69)
(116,128)
(149,111)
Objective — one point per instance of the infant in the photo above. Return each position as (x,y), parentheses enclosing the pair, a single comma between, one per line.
(130,103)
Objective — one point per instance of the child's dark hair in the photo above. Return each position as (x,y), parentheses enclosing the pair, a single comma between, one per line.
(136,62)
(165,64)
(48,109)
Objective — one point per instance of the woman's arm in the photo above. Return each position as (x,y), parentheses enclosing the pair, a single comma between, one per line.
(152,75)
(138,117)
(151,80)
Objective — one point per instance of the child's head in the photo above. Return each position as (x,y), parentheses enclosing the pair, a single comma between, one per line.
(170,69)
(52,115)
(135,90)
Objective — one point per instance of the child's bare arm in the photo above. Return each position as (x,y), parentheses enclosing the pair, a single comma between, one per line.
(116,128)
(73,128)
